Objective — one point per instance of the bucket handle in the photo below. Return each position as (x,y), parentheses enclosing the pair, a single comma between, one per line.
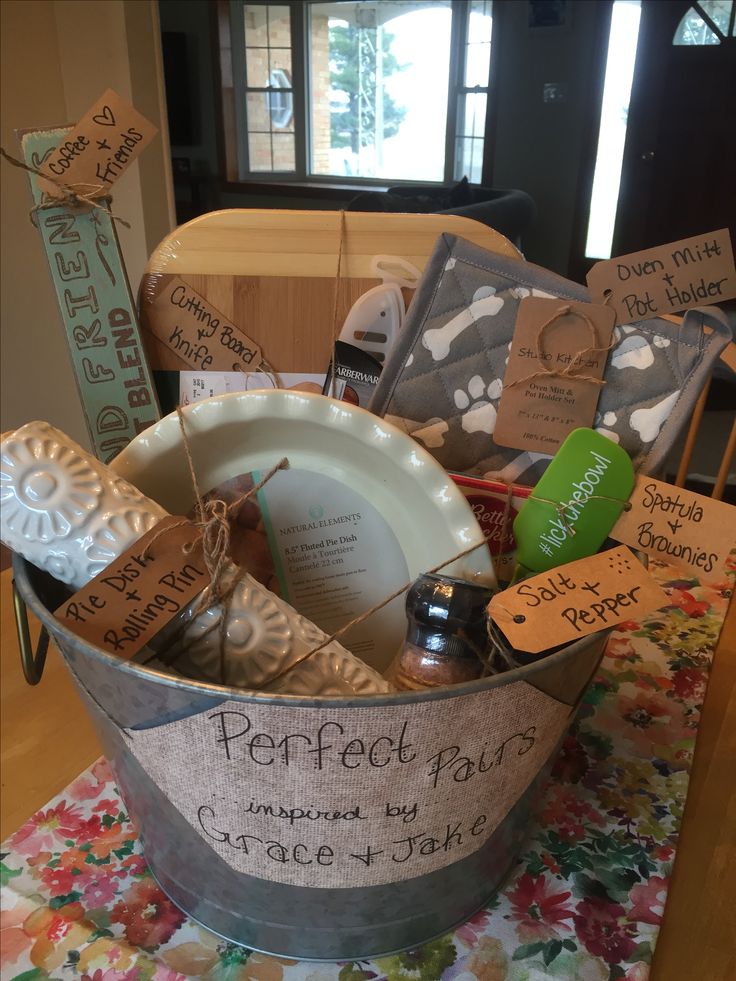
(32,662)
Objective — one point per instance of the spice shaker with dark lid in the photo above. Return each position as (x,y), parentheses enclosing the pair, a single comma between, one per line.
(446,636)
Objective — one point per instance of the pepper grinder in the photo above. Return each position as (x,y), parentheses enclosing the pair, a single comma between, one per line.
(446,636)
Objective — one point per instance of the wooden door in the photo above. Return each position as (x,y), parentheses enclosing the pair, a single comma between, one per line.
(679,168)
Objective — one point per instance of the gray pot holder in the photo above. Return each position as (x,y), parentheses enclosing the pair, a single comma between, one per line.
(442,381)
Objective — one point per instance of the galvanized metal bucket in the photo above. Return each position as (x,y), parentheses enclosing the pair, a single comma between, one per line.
(302,922)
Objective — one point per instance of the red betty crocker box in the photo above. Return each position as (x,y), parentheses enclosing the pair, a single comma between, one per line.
(489,500)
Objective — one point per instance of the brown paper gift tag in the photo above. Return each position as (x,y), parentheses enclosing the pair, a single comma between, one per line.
(103,144)
(134,598)
(575,600)
(693,272)
(540,406)
(678,527)
(198,333)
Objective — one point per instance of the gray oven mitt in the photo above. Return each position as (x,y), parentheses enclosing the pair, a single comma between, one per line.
(442,381)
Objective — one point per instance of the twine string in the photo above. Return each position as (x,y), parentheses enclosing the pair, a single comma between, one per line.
(569,370)
(72,195)
(560,507)
(506,516)
(362,617)
(335,304)
(505,534)
(267,368)
(214,517)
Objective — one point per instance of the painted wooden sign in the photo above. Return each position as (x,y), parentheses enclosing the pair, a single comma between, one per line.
(97,309)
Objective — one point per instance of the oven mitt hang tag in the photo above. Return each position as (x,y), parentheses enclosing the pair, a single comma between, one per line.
(573,507)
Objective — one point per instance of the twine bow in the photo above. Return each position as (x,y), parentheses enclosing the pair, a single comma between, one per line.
(75,195)
(569,370)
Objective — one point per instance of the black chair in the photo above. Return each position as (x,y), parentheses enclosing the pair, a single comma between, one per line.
(510,211)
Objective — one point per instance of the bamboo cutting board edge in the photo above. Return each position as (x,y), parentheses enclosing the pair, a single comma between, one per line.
(273,273)
(306,243)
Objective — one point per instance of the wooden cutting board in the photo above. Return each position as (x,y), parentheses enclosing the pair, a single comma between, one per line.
(273,273)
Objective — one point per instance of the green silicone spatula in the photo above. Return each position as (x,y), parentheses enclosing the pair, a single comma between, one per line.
(574,505)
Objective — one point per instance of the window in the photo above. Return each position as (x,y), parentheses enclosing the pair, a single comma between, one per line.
(707,22)
(360,91)
(266,89)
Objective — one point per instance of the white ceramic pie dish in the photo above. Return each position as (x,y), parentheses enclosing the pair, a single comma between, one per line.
(240,432)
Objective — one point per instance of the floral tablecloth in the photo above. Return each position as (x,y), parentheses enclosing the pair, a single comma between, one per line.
(584,901)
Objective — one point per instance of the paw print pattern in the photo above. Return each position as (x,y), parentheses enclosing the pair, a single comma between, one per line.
(481,414)
(633,350)
(603,424)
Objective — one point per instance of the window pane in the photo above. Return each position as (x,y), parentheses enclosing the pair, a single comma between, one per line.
(692,29)
(259,120)
(280,68)
(379,98)
(719,12)
(279,26)
(256,67)
(468,159)
(283,152)
(280,104)
(478,48)
(480,23)
(259,151)
(256,25)
(472,115)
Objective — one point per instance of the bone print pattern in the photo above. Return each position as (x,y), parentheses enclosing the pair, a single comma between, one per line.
(453,357)
(648,422)
(485,304)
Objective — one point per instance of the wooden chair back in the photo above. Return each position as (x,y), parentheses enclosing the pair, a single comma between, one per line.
(728,357)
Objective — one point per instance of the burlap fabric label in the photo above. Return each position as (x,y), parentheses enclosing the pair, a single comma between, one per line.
(342,798)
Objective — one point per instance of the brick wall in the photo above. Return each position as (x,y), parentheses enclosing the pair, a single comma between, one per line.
(320,95)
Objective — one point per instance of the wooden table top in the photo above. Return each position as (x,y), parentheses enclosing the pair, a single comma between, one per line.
(47,740)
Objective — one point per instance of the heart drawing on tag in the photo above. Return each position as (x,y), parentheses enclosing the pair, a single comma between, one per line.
(104,118)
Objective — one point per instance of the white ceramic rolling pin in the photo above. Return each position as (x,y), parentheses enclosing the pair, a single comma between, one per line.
(70,515)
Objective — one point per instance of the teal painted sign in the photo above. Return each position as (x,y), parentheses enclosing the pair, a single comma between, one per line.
(98,311)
